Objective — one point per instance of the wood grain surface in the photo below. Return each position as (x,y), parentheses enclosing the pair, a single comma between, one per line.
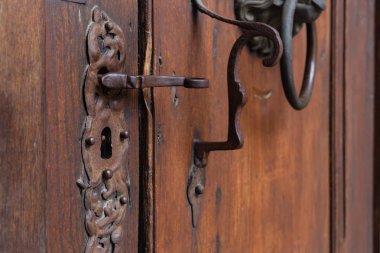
(376,216)
(22,129)
(44,58)
(359,131)
(303,181)
(271,196)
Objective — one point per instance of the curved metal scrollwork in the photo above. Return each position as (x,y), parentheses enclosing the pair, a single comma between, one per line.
(270,13)
(287,16)
(255,28)
(236,100)
(105,139)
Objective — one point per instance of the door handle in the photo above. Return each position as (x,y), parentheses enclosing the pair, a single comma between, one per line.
(287,16)
(293,13)
(123,81)
(105,185)
(103,94)
(104,86)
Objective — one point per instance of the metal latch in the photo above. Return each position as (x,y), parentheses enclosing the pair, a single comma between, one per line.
(123,81)
(106,184)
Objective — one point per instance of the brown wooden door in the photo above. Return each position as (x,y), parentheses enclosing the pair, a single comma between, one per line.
(42,112)
(273,194)
(302,182)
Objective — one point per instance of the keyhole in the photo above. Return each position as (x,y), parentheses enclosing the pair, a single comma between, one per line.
(106,147)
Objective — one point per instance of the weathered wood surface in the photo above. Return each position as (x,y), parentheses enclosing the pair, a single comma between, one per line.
(359,124)
(271,196)
(44,58)
(290,189)
(376,216)
(22,129)
(337,155)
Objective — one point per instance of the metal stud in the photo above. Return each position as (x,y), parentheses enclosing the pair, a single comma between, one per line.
(107,174)
(123,200)
(124,135)
(90,141)
(199,189)
(109,26)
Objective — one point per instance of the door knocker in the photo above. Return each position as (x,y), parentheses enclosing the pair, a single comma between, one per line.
(288,17)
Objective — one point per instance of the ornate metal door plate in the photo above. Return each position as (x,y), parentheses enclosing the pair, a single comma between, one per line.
(105,139)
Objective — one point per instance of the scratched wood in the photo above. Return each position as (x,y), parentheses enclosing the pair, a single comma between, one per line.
(22,145)
(66,24)
(270,196)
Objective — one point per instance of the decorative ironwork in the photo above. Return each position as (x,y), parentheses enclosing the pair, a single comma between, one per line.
(236,100)
(105,139)
(270,12)
(105,188)
(288,17)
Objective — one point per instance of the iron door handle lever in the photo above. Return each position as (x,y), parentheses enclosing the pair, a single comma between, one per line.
(105,182)
(123,81)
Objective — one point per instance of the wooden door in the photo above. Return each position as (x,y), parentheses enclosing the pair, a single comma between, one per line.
(273,194)
(302,182)
(43,115)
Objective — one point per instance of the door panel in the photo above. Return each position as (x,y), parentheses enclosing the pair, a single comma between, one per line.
(22,182)
(359,121)
(66,60)
(44,58)
(301,183)
(273,194)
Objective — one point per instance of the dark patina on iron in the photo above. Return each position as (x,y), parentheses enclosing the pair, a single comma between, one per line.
(288,17)
(237,97)
(105,188)
(105,138)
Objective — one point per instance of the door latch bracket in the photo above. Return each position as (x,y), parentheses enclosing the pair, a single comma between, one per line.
(105,141)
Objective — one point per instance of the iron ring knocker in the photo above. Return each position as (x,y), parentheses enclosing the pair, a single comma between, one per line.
(300,101)
(288,17)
